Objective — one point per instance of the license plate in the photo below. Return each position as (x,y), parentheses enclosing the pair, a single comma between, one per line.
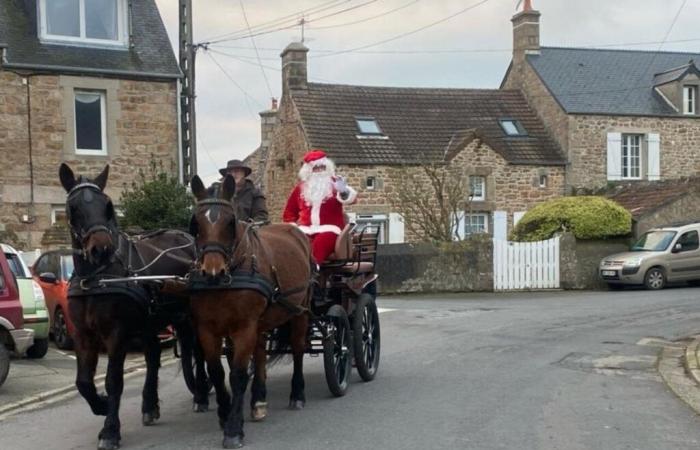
(609,273)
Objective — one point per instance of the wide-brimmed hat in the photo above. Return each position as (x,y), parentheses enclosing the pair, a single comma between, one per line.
(235,164)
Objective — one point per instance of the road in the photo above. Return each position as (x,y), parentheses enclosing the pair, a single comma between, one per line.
(555,370)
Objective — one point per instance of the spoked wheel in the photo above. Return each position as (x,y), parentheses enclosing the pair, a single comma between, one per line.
(336,351)
(366,337)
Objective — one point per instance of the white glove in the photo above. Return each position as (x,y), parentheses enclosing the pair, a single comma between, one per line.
(340,185)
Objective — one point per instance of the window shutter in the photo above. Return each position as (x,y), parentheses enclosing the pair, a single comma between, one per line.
(396,228)
(614,156)
(458,232)
(654,159)
(500,225)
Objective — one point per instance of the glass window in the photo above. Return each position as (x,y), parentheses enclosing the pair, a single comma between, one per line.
(59,217)
(476,223)
(631,156)
(101,17)
(16,265)
(368,126)
(89,122)
(41,265)
(63,17)
(654,241)
(2,279)
(512,127)
(690,94)
(370,183)
(477,188)
(67,271)
(689,241)
(543,181)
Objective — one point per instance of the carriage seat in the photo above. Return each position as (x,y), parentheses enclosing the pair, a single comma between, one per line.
(344,252)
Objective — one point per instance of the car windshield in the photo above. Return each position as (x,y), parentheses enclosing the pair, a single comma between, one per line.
(16,265)
(67,267)
(654,241)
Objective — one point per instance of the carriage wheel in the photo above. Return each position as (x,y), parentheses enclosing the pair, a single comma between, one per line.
(366,337)
(336,351)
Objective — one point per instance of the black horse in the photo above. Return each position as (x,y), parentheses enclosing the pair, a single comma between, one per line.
(113,314)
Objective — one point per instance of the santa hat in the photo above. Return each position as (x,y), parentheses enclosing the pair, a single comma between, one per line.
(315,158)
(314,155)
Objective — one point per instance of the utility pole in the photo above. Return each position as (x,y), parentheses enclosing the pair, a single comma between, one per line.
(187,94)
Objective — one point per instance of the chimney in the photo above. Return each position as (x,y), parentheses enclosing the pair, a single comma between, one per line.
(294,67)
(526,33)
(268,121)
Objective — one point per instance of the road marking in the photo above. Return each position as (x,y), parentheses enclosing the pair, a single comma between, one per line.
(65,354)
(383,310)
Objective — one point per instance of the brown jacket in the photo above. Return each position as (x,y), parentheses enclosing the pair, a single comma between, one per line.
(250,203)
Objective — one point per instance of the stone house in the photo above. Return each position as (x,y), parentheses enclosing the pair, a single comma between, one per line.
(373,133)
(88,83)
(619,116)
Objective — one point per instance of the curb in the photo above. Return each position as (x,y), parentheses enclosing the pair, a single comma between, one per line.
(49,397)
(690,363)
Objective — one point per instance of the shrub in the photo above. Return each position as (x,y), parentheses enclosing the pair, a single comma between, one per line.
(586,217)
(156,200)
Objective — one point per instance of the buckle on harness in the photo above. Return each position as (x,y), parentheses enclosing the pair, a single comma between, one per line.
(83,285)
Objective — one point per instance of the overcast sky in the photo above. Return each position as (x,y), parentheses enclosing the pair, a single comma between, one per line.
(469,50)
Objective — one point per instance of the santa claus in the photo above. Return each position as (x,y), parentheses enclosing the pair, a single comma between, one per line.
(316,203)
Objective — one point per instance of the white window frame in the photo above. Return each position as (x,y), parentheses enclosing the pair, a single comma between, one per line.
(482,184)
(122,27)
(103,123)
(379,131)
(56,209)
(626,169)
(468,223)
(371,186)
(690,99)
(544,180)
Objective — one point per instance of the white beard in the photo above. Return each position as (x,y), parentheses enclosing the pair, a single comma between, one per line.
(317,188)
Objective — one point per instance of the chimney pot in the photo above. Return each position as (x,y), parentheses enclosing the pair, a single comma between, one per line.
(294,67)
(274,103)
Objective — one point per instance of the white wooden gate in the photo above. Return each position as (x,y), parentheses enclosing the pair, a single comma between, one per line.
(525,265)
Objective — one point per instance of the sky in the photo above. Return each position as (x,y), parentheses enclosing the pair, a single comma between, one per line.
(409,43)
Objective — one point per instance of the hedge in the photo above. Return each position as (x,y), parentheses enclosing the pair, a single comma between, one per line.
(587,217)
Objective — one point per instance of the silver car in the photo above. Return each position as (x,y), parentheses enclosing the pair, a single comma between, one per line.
(660,256)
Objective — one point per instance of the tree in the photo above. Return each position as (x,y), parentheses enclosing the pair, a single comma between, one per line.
(156,200)
(431,198)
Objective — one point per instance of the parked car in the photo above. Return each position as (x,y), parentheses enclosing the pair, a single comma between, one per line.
(52,271)
(36,317)
(660,256)
(13,337)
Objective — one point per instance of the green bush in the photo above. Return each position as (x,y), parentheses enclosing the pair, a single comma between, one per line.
(156,201)
(586,217)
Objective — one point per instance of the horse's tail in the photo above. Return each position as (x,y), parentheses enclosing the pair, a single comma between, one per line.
(280,345)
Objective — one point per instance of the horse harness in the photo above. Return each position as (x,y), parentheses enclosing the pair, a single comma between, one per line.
(239,278)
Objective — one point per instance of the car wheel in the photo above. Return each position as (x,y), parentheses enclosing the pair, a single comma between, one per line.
(4,363)
(39,349)
(655,278)
(60,331)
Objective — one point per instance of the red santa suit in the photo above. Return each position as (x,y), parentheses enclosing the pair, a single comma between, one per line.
(318,210)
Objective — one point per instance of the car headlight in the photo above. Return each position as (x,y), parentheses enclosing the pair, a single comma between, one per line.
(635,262)
(38,292)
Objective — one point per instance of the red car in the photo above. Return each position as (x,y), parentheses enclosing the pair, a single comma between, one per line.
(52,271)
(12,336)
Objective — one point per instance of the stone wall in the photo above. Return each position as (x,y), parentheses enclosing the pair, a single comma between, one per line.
(141,123)
(684,209)
(460,267)
(680,146)
(579,260)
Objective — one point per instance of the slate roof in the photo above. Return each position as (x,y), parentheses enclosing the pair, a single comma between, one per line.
(613,82)
(641,198)
(419,124)
(151,54)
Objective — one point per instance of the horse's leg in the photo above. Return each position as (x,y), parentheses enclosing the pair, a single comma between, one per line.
(87,348)
(150,409)
(110,435)
(211,347)
(201,396)
(299,324)
(244,342)
(258,397)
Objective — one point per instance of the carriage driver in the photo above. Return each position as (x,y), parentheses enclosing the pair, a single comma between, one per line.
(249,202)
(316,203)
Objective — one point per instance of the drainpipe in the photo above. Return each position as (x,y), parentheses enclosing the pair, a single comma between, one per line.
(29,218)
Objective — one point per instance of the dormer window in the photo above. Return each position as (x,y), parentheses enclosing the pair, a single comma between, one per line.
(512,127)
(83,22)
(690,99)
(368,125)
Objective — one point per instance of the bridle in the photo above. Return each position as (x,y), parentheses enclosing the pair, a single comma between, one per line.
(81,234)
(213,246)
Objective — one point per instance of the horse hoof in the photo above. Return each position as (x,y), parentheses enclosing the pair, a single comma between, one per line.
(297,405)
(259,411)
(150,418)
(233,442)
(108,444)
(200,407)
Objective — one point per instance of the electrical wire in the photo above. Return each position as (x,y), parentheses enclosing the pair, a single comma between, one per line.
(257,54)
(367,19)
(235,83)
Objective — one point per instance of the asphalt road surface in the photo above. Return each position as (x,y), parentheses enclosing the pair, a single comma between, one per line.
(518,371)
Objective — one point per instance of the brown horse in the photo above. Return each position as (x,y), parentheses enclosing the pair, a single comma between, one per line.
(248,281)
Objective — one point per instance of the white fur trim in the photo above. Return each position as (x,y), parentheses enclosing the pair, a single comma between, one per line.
(352,195)
(316,214)
(314,229)
(308,168)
